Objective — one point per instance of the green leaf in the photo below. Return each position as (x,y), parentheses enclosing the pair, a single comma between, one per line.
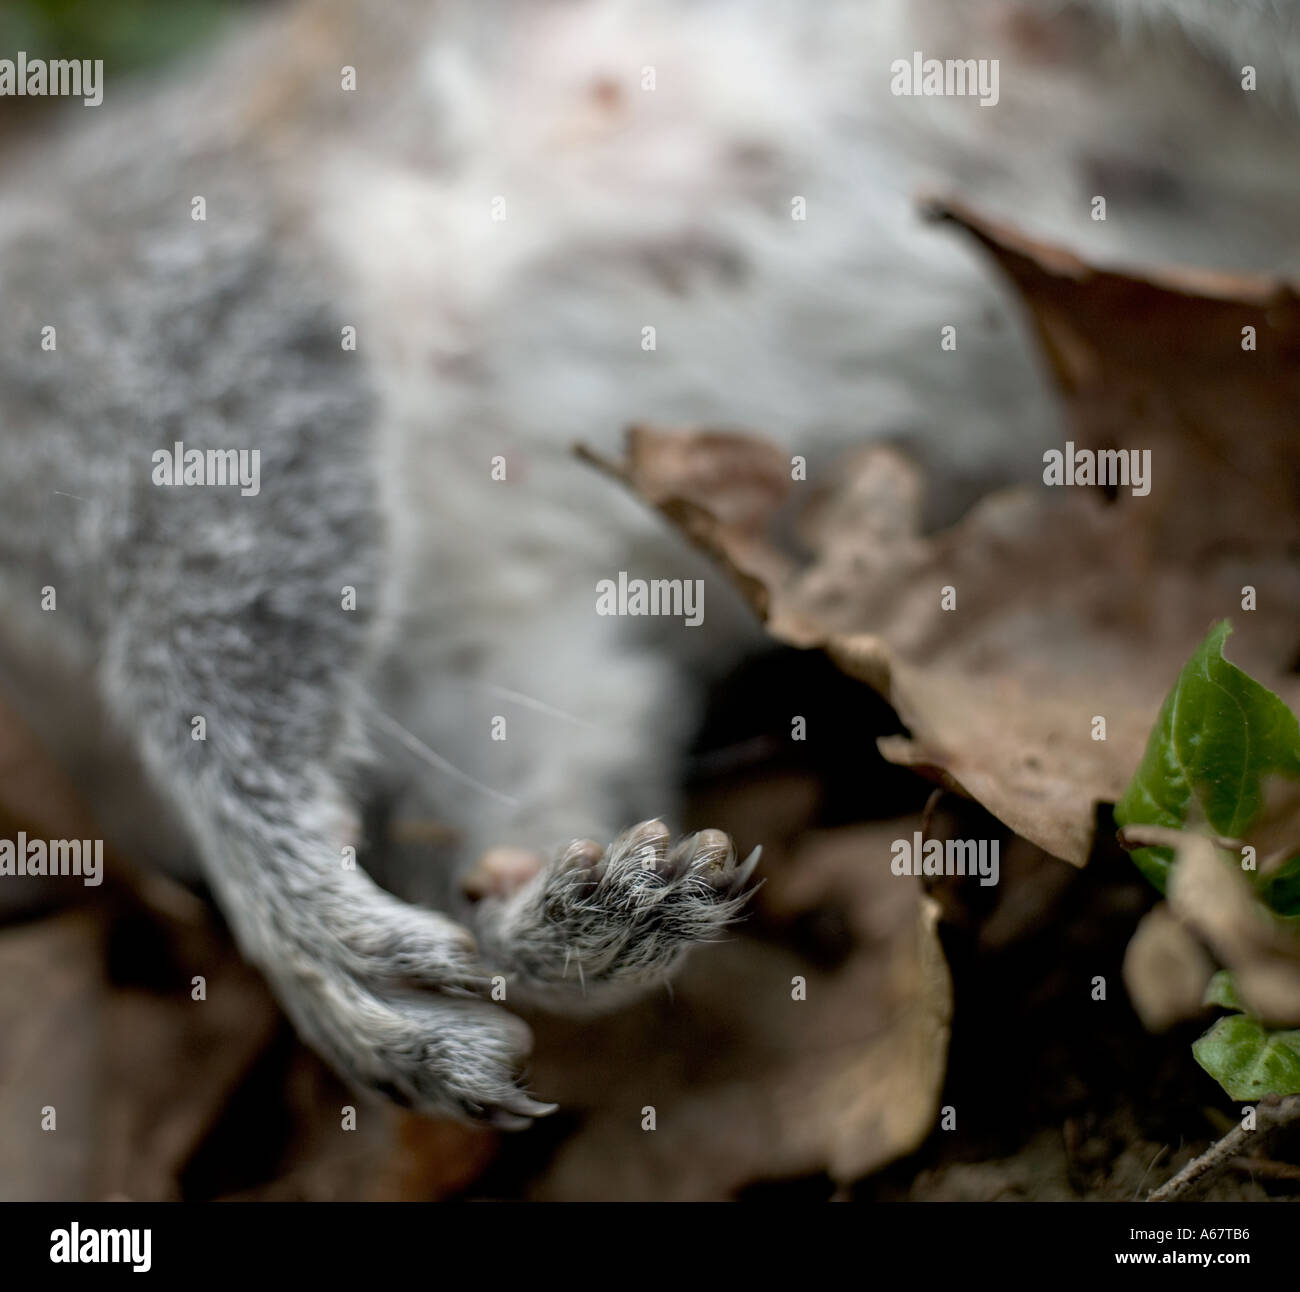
(1281,889)
(1219,736)
(1248,1060)
(1222,991)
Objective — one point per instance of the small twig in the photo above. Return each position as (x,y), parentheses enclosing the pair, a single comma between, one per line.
(1130,837)
(1270,1112)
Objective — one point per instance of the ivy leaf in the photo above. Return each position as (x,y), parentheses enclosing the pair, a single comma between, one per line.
(1241,1054)
(1248,1060)
(1219,736)
(1221,990)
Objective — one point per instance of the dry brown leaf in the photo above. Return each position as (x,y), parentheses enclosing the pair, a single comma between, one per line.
(747,1083)
(1166,971)
(1068,607)
(51,997)
(1217,902)
(169,1065)
(37,798)
(1155,360)
(1059,619)
(1209,899)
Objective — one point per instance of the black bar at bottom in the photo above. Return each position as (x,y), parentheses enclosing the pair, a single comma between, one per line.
(460,1243)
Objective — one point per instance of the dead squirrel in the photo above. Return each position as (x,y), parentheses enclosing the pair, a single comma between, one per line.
(407,254)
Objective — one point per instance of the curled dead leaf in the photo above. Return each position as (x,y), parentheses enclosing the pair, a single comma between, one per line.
(1028,647)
